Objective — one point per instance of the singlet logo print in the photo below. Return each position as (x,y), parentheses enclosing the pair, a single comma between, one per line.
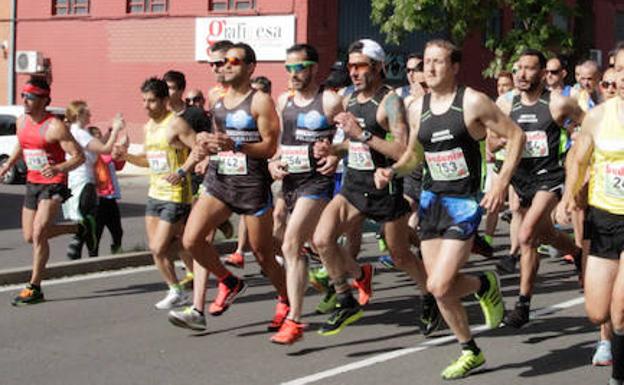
(312,120)
(528,118)
(441,136)
(240,120)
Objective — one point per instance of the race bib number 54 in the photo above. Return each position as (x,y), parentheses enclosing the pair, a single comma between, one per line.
(297,159)
(447,165)
(614,180)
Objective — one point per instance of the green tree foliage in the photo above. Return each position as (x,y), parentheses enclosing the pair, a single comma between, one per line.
(533,25)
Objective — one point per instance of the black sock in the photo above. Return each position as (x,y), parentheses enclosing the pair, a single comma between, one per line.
(230,281)
(197,310)
(617,350)
(485,285)
(471,345)
(346,299)
(524,300)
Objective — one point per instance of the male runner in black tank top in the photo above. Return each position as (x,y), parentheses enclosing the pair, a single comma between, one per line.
(246,135)
(447,125)
(374,111)
(539,179)
(307,116)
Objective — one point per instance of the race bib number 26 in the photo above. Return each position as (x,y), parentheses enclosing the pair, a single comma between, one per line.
(614,180)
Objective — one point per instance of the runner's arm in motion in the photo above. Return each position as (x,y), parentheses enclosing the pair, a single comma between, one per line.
(16,154)
(98,147)
(263,109)
(59,132)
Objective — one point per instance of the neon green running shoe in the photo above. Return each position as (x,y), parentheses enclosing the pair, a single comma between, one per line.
(319,279)
(464,365)
(328,303)
(382,245)
(492,302)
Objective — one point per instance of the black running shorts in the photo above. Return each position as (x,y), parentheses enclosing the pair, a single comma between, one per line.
(605,232)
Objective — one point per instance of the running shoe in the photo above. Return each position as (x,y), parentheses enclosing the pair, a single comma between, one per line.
(430,317)
(518,317)
(227,229)
(174,298)
(492,302)
(281,312)
(188,318)
(340,318)
(29,295)
(506,216)
(602,355)
(507,264)
(464,365)
(481,247)
(319,279)
(548,250)
(382,245)
(289,333)
(328,303)
(386,261)
(115,249)
(569,258)
(365,284)
(187,281)
(87,230)
(226,296)
(74,248)
(236,259)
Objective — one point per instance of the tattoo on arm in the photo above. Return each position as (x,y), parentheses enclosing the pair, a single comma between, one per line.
(395,111)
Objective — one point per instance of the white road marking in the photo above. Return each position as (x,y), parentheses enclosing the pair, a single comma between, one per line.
(418,348)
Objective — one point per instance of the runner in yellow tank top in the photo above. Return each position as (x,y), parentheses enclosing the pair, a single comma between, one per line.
(600,145)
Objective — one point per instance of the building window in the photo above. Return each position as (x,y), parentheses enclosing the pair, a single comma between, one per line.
(231,5)
(147,6)
(70,7)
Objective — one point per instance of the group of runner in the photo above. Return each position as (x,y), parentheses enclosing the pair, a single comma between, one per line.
(413,161)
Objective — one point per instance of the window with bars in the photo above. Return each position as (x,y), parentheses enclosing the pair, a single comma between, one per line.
(231,5)
(70,7)
(147,6)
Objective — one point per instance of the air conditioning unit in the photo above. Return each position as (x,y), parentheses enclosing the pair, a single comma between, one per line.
(28,62)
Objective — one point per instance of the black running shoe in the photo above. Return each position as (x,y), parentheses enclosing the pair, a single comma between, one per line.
(481,247)
(518,317)
(340,318)
(430,317)
(29,295)
(506,216)
(507,264)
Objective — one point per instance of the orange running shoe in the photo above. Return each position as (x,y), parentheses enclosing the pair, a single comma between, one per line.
(281,311)
(226,296)
(236,259)
(289,333)
(365,284)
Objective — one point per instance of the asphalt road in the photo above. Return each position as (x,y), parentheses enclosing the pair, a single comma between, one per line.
(103,329)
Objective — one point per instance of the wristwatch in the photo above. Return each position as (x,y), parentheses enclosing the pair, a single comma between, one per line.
(181,172)
(365,136)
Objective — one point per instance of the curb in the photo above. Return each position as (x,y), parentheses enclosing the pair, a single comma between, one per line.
(93,265)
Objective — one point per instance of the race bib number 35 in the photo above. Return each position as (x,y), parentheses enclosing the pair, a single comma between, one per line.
(614,180)
(232,163)
(35,159)
(536,145)
(158,163)
(447,165)
(297,159)
(360,157)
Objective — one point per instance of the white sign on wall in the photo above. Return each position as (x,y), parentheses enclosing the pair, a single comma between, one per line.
(269,36)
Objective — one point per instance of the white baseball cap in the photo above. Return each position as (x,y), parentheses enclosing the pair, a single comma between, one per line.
(373,50)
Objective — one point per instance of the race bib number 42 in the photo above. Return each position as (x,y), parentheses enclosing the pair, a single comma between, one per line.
(232,163)
(35,159)
(614,180)
(360,157)
(158,163)
(297,159)
(447,165)
(536,145)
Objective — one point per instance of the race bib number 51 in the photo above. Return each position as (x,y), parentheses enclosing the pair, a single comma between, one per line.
(158,163)
(614,180)
(232,163)
(360,157)
(35,159)
(447,165)
(297,159)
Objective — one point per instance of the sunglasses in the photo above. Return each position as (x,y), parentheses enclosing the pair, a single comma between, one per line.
(554,72)
(29,96)
(606,84)
(357,66)
(233,61)
(194,99)
(419,68)
(298,67)
(217,63)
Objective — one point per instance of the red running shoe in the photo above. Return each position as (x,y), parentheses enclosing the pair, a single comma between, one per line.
(281,311)
(365,284)
(236,260)
(226,296)
(289,333)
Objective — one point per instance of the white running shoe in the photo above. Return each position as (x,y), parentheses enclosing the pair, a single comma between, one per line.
(173,299)
(188,318)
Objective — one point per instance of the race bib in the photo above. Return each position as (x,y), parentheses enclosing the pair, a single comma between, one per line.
(536,145)
(158,162)
(232,163)
(360,157)
(297,159)
(447,165)
(614,180)
(35,159)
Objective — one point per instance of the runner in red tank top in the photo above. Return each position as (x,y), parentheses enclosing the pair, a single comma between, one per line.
(43,142)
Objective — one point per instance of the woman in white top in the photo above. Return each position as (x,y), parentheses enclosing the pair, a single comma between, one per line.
(82,205)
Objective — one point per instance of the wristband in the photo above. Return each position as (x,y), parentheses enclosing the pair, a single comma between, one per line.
(181,172)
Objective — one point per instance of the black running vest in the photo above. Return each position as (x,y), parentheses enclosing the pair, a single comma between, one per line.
(542,150)
(453,162)
(362,161)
